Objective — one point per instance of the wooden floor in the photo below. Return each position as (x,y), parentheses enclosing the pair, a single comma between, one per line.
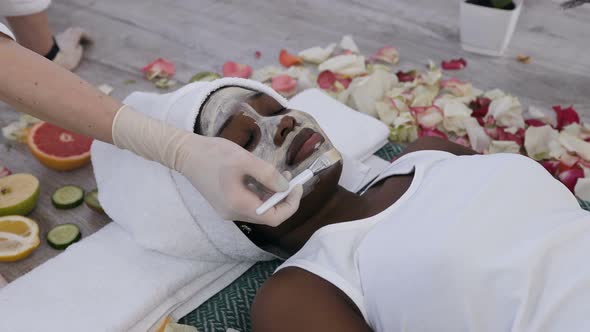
(201,34)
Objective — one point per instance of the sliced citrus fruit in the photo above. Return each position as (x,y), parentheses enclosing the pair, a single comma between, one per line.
(19,236)
(19,194)
(58,148)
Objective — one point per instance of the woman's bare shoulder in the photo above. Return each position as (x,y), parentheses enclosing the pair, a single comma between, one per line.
(440,144)
(294,299)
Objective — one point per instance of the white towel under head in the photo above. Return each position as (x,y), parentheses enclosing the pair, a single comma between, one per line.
(167,251)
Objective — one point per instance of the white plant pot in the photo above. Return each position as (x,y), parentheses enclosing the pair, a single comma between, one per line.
(486,30)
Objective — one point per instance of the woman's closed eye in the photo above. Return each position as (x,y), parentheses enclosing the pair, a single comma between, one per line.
(242,130)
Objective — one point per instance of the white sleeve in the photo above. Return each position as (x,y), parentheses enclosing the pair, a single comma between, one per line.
(4,29)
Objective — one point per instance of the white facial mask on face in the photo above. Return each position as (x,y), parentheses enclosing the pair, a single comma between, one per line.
(232,100)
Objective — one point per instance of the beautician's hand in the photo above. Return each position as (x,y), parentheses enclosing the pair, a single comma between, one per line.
(215,166)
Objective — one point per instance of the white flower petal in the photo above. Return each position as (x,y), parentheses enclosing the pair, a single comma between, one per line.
(386,112)
(317,54)
(366,91)
(574,144)
(542,143)
(478,138)
(582,189)
(265,74)
(494,94)
(347,43)
(346,64)
(573,129)
(454,114)
(503,147)
(424,95)
(507,111)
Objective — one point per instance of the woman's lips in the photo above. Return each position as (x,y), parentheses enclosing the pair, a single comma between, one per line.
(303,146)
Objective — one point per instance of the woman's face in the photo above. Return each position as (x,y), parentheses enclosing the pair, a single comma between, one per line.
(288,139)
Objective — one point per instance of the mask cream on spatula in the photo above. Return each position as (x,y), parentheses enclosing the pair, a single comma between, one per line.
(324,161)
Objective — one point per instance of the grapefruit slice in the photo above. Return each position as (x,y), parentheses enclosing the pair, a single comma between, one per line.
(58,148)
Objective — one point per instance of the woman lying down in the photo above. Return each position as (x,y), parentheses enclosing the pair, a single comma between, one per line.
(443,240)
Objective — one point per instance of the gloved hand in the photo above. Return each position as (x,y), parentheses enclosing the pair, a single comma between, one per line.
(70,47)
(215,166)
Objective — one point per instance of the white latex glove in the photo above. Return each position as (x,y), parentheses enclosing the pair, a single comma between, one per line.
(215,166)
(70,47)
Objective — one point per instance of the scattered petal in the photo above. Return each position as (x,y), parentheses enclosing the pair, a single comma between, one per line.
(234,69)
(524,58)
(428,117)
(494,94)
(349,65)
(4,171)
(423,95)
(386,112)
(461,140)
(432,76)
(456,87)
(551,166)
(287,59)
(478,138)
(511,134)
(454,115)
(367,90)
(285,85)
(304,77)
(408,76)
(159,68)
(257,54)
(574,144)
(265,74)
(387,54)
(431,132)
(507,112)
(570,177)
(480,107)
(567,161)
(164,83)
(204,76)
(534,123)
(317,54)
(327,80)
(347,43)
(106,89)
(503,147)
(582,189)
(543,143)
(565,116)
(454,64)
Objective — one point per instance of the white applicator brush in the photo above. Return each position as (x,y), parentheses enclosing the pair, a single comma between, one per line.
(324,161)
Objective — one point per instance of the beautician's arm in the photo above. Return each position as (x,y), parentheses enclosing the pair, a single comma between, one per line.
(216,167)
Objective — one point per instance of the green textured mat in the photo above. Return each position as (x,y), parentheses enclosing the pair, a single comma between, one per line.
(230,308)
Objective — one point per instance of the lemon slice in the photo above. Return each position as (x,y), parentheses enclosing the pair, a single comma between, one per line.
(19,236)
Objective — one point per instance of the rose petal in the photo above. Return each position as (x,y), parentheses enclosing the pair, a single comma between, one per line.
(575,144)
(4,171)
(317,54)
(366,91)
(285,85)
(478,138)
(551,166)
(428,117)
(542,143)
(503,147)
(287,59)
(494,94)
(570,177)
(423,95)
(566,116)
(348,65)
(347,43)
(461,140)
(159,68)
(408,76)
(582,189)
(507,111)
(265,74)
(204,76)
(517,136)
(386,112)
(257,54)
(388,54)
(535,123)
(234,69)
(454,64)
(480,107)
(454,114)
(431,132)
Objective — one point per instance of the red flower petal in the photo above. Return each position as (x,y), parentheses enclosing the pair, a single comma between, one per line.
(493,132)
(257,54)
(387,54)
(284,83)
(326,80)
(570,177)
(159,68)
(4,171)
(408,76)
(535,123)
(565,116)
(234,69)
(345,81)
(433,132)
(286,59)
(480,107)
(551,166)
(454,64)
(518,137)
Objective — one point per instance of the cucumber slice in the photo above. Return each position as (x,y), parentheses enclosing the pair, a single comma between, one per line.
(62,236)
(67,197)
(91,199)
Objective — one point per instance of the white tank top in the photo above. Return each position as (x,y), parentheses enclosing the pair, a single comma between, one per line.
(477,243)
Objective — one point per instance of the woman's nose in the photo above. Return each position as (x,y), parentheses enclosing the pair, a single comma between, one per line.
(284,127)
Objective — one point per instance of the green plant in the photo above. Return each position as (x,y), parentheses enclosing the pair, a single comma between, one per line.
(500,4)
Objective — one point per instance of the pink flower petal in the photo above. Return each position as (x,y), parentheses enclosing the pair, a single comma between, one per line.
(428,117)
(565,116)
(462,141)
(433,132)
(408,76)
(518,137)
(4,171)
(454,64)
(234,69)
(535,123)
(159,68)
(257,54)
(570,177)
(327,79)
(551,166)
(387,54)
(480,107)
(284,84)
